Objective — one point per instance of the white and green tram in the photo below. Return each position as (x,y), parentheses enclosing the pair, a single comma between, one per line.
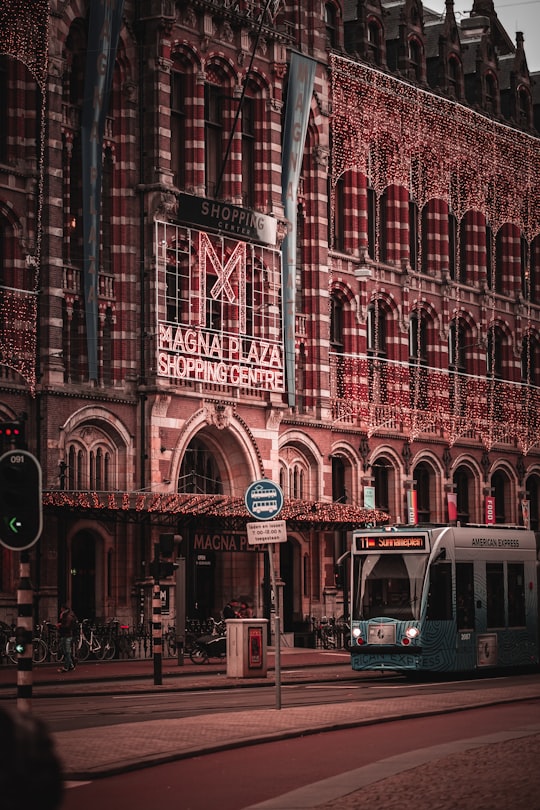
(444,599)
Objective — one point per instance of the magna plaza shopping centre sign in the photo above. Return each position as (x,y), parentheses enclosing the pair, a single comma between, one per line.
(219,298)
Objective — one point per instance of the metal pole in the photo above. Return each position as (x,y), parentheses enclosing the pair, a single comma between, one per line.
(180,609)
(24,620)
(277,627)
(157,631)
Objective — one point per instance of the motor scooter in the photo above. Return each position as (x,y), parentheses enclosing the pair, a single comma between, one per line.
(207,647)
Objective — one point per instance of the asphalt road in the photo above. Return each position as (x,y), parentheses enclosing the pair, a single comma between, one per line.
(67,712)
(239,778)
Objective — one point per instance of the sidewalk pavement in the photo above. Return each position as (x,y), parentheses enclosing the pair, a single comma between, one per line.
(92,752)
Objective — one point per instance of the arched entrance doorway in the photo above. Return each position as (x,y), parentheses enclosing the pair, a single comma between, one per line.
(83,575)
(220,564)
(290,573)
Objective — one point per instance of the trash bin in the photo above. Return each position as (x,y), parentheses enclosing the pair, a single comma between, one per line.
(246,648)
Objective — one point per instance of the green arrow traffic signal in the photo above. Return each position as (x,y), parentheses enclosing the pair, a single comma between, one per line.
(21,513)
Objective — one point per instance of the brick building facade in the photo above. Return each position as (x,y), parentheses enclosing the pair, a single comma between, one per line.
(166,341)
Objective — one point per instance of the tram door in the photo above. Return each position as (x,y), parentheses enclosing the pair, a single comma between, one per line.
(465,615)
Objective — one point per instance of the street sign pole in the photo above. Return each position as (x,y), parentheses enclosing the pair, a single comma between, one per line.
(264,501)
(277,626)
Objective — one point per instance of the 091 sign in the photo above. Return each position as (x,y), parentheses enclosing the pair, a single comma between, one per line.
(21,509)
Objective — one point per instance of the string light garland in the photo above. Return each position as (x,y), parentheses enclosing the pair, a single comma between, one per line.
(383,397)
(24,35)
(397,134)
(227,508)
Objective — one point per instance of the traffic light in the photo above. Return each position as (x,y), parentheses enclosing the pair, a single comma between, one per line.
(166,544)
(164,566)
(21,509)
(11,435)
(23,638)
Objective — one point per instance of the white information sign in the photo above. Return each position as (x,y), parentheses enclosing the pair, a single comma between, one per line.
(274,531)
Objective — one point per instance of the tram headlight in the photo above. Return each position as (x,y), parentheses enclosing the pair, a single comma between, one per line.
(356,632)
(412,632)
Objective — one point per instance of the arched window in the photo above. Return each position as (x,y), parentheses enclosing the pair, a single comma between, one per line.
(452,244)
(3,106)
(330,25)
(459,343)
(380,471)
(532,494)
(375,42)
(500,486)
(454,77)
(179,82)
(418,360)
(462,480)
(92,461)
(423,477)
(213,128)
(416,59)
(524,108)
(413,234)
(529,360)
(339,489)
(491,94)
(338,222)
(199,472)
(248,151)
(494,354)
(376,330)
(336,324)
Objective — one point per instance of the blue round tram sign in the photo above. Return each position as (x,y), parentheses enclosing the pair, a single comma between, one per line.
(264,499)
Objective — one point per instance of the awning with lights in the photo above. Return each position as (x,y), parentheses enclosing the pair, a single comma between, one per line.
(169,508)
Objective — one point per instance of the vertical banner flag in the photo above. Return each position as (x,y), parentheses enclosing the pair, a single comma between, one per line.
(300,91)
(526,514)
(452,507)
(369,497)
(490,509)
(103,34)
(412,508)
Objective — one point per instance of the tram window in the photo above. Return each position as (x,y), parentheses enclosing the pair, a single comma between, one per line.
(495,594)
(465,596)
(389,586)
(439,606)
(516,595)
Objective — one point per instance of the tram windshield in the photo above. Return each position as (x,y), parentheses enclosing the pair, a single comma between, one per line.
(388,585)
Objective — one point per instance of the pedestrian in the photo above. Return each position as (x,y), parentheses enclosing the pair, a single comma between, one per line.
(246,612)
(230,610)
(30,770)
(66,627)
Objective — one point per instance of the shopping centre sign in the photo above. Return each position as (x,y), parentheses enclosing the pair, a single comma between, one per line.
(219,315)
(210,357)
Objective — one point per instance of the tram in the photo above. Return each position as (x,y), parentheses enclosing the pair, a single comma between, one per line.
(443,599)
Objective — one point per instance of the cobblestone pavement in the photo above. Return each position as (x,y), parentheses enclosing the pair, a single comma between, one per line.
(501,776)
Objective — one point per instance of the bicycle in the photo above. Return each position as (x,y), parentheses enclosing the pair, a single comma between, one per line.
(90,643)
